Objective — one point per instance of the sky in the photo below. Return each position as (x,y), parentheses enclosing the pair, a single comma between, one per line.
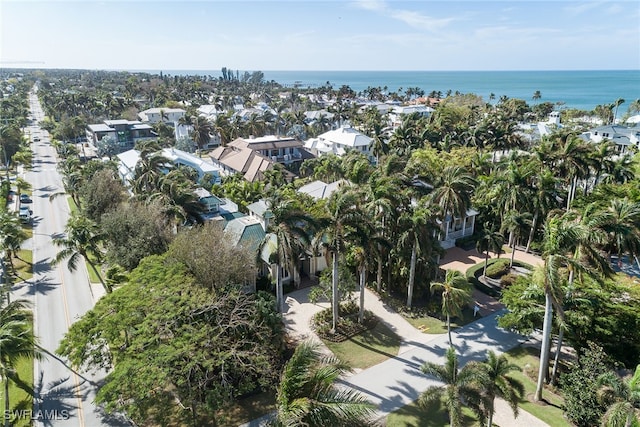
(339,35)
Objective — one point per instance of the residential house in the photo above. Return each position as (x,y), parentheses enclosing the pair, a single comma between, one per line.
(157,115)
(320,190)
(397,114)
(339,141)
(125,132)
(252,156)
(622,136)
(452,229)
(128,160)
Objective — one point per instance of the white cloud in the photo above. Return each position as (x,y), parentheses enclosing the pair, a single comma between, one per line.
(412,18)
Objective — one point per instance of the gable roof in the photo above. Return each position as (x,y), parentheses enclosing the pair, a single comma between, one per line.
(246,232)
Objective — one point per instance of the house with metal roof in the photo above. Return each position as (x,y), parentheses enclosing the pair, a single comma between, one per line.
(339,141)
(622,136)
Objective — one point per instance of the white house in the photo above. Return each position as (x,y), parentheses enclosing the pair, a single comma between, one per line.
(623,137)
(452,229)
(339,141)
(129,159)
(166,115)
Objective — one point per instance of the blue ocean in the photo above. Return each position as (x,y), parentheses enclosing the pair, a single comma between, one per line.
(570,89)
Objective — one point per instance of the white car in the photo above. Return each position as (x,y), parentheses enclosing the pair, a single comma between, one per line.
(25,214)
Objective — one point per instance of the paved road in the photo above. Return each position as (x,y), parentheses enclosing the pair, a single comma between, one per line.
(64,397)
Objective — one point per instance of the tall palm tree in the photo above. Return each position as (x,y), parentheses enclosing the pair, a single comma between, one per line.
(307,394)
(343,219)
(452,191)
(419,232)
(517,224)
(498,383)
(491,240)
(617,104)
(459,385)
(560,235)
(293,230)
(82,241)
(17,342)
(11,236)
(622,398)
(456,294)
(621,222)
(201,131)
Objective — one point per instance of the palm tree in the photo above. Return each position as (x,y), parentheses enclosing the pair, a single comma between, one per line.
(17,342)
(499,384)
(490,240)
(622,398)
(452,191)
(292,229)
(617,104)
(560,235)
(344,218)
(621,222)
(11,236)
(201,131)
(418,233)
(459,385)
(516,224)
(307,394)
(82,241)
(456,294)
(536,95)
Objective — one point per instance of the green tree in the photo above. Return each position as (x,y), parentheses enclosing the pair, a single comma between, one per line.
(308,396)
(17,342)
(452,191)
(82,240)
(459,385)
(12,236)
(498,383)
(455,295)
(292,229)
(343,218)
(103,192)
(580,387)
(490,240)
(622,398)
(180,353)
(135,231)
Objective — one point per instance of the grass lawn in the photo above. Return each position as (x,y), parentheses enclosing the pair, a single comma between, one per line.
(248,409)
(549,411)
(527,358)
(433,415)
(368,348)
(431,325)
(93,277)
(23,265)
(18,398)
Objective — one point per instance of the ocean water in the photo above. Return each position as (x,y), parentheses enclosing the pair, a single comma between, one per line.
(572,89)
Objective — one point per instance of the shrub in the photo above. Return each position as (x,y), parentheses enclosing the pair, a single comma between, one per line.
(498,269)
(508,280)
(348,325)
(468,242)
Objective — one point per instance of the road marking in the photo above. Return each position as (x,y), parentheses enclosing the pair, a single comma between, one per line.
(67,317)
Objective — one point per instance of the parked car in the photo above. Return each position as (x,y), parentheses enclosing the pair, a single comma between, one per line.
(24,198)
(25,214)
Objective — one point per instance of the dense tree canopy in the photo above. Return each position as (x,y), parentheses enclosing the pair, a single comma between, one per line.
(181,351)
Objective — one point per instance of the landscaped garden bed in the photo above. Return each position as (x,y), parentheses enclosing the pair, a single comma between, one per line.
(348,325)
(499,275)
